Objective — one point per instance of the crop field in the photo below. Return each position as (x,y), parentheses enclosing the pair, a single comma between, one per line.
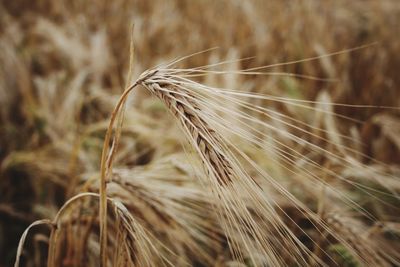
(200,133)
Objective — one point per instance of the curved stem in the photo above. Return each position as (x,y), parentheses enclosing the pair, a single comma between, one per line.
(55,229)
(23,237)
(104,174)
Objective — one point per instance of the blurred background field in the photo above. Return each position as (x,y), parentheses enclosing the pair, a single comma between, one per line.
(63,65)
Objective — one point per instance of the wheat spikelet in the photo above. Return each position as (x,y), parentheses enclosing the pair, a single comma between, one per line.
(225,176)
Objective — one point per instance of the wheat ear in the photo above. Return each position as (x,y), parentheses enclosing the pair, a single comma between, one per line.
(225,176)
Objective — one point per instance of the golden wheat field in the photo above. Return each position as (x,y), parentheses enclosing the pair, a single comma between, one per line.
(221,133)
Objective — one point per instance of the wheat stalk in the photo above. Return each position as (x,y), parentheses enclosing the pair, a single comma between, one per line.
(225,175)
(189,103)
